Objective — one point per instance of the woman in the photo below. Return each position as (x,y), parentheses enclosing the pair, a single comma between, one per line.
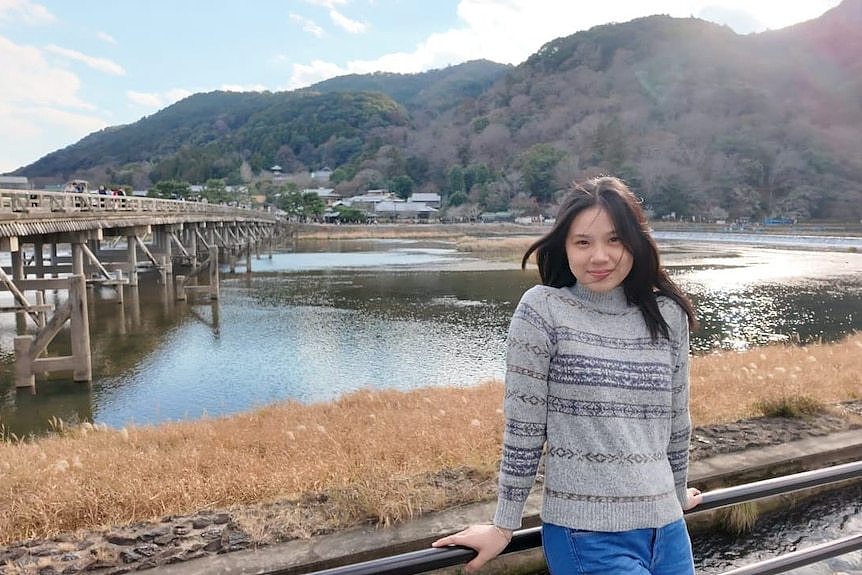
(597,378)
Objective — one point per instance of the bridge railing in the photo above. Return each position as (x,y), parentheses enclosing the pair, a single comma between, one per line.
(59,203)
(431,559)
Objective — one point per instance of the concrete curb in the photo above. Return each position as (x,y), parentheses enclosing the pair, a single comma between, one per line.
(368,542)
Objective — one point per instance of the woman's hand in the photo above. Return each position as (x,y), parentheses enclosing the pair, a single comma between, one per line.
(695,498)
(488,541)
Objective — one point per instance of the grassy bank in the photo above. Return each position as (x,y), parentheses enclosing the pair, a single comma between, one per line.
(380,455)
(412,231)
(477,230)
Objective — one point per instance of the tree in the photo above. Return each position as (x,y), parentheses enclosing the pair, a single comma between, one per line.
(672,197)
(290,202)
(523,204)
(170,189)
(609,145)
(537,171)
(341,174)
(402,186)
(312,205)
(455,180)
(457,198)
(417,168)
(215,191)
(350,215)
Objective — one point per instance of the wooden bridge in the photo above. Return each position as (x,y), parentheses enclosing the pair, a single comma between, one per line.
(69,241)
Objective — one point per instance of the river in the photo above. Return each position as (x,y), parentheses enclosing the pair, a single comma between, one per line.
(333,317)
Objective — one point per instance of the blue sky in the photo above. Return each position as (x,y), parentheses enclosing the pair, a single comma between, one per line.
(71,67)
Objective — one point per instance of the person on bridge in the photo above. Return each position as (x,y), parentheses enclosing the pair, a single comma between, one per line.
(597,380)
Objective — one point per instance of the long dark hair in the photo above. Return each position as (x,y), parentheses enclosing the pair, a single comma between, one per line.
(646,280)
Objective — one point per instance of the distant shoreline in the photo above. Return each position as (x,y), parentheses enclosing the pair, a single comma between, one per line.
(832,237)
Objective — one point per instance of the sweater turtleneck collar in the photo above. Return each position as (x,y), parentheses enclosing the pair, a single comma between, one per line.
(609,301)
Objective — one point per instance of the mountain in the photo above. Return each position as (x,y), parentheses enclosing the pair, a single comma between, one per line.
(433,90)
(702,122)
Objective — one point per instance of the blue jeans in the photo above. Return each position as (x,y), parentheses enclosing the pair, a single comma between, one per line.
(660,551)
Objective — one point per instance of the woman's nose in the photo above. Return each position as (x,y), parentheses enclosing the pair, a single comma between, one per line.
(600,253)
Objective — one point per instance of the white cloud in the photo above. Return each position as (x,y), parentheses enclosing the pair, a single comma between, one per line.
(307,74)
(307,24)
(40,105)
(101,64)
(345,23)
(769,14)
(145,99)
(244,88)
(25,12)
(326,3)
(105,37)
(39,129)
(485,30)
(29,79)
(154,101)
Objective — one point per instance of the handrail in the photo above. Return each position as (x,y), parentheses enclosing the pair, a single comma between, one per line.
(777,485)
(425,560)
(801,557)
(63,203)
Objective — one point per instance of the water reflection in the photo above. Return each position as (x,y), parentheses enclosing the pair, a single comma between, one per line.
(311,326)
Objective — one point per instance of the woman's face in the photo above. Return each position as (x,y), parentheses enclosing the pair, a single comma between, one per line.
(597,257)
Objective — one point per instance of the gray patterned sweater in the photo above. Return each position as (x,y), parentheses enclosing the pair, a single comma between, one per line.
(585,381)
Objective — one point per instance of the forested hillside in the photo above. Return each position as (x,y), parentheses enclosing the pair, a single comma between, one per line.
(702,122)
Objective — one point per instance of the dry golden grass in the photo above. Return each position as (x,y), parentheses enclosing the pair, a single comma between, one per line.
(374,454)
(509,248)
(369,444)
(729,386)
(413,231)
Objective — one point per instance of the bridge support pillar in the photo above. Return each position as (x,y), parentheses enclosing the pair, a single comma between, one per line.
(80,328)
(214,290)
(181,288)
(132,258)
(55,260)
(24,376)
(169,254)
(28,348)
(192,242)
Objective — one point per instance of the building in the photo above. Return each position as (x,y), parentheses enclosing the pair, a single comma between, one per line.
(389,211)
(369,199)
(321,175)
(428,198)
(328,195)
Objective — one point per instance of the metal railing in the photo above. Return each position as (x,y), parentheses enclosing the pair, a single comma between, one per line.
(430,559)
(63,203)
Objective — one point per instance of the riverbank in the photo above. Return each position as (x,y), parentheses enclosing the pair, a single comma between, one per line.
(292,471)
(435,230)
(247,539)
(509,241)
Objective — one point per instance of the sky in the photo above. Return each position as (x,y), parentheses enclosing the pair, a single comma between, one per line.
(71,67)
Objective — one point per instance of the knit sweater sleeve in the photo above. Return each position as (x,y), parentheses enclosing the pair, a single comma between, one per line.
(530,345)
(680,436)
